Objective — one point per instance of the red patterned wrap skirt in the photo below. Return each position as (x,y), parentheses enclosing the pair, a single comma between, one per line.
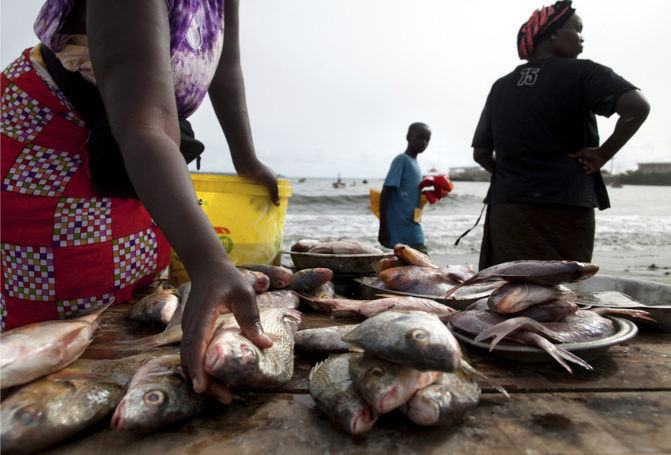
(64,249)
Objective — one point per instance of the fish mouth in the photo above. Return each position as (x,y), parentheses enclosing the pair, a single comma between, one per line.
(117,421)
(388,402)
(214,359)
(363,420)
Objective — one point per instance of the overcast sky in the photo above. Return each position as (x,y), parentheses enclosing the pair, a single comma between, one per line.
(332,85)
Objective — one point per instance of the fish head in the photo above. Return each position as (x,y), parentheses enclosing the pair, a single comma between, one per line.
(431,349)
(378,381)
(354,413)
(159,401)
(230,354)
(35,417)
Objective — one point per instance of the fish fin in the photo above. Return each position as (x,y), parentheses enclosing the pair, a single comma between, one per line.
(92,314)
(469,369)
(152,341)
(641,314)
(502,329)
(559,353)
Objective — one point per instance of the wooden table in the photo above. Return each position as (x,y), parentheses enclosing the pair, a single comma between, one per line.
(622,407)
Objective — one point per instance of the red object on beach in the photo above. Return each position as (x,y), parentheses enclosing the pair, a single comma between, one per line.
(441,184)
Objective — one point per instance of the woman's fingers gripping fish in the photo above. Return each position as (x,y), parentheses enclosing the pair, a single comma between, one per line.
(444,402)
(35,350)
(412,338)
(386,385)
(235,360)
(60,405)
(331,387)
(515,297)
(158,395)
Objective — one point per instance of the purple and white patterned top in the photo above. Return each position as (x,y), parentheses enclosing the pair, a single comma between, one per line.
(196,41)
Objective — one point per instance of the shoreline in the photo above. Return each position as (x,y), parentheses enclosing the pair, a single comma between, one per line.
(648,265)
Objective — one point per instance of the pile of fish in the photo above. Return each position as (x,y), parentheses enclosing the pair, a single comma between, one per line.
(334,247)
(405,360)
(413,272)
(534,308)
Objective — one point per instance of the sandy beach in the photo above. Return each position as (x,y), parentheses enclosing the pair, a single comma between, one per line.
(649,265)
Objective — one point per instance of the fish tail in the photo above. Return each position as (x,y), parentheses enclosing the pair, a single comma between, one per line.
(92,314)
(468,368)
(559,354)
(499,331)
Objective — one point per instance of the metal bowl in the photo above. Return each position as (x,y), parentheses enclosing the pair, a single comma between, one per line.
(616,292)
(589,350)
(340,264)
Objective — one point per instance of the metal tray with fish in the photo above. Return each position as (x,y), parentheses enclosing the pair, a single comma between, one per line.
(373,288)
(340,264)
(589,350)
(617,292)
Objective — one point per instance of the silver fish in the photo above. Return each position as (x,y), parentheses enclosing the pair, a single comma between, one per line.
(417,280)
(235,360)
(336,395)
(386,385)
(344,247)
(323,340)
(368,308)
(158,395)
(155,308)
(536,272)
(61,404)
(35,350)
(444,402)
(515,297)
(412,338)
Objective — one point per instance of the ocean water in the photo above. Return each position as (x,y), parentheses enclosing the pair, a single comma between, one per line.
(639,219)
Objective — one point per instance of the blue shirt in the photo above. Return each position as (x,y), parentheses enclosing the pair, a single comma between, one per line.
(403,181)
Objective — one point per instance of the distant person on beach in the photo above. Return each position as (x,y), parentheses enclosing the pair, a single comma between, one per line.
(400,212)
(538,137)
(69,244)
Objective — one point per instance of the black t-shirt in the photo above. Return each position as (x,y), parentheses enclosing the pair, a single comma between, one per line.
(534,117)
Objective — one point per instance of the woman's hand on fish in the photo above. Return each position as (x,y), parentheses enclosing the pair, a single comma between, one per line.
(590,158)
(219,291)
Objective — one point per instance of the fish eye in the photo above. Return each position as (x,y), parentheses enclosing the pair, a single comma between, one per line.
(248,352)
(28,415)
(154,397)
(377,372)
(344,397)
(418,335)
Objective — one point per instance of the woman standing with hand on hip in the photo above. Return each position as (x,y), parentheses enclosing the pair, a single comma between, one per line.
(66,246)
(538,137)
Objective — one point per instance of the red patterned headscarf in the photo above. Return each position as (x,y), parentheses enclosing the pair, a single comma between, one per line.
(542,23)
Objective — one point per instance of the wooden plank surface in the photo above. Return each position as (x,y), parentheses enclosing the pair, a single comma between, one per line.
(622,407)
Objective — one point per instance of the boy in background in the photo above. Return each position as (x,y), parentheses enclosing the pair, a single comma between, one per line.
(400,212)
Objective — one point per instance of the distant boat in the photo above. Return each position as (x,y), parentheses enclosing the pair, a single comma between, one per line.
(301,180)
(339,183)
(615,184)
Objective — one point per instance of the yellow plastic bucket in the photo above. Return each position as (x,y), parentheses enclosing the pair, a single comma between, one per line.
(250,227)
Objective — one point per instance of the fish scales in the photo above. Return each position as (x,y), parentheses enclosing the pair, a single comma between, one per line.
(60,405)
(331,386)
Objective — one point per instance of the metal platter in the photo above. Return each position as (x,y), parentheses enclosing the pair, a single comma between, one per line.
(624,330)
(459,302)
(616,292)
(340,264)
